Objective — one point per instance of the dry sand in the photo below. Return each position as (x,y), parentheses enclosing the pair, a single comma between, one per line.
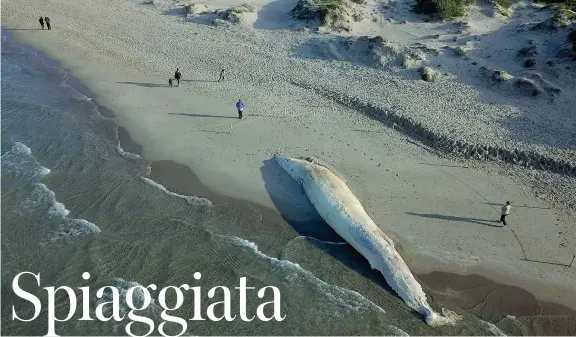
(437,209)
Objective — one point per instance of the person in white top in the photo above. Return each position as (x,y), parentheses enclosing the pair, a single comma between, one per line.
(505,212)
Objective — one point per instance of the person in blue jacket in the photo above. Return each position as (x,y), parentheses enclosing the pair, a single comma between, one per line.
(240,107)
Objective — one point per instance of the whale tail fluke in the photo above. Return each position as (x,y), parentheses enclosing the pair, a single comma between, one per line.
(448,317)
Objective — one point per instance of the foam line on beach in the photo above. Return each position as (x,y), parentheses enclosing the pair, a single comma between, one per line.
(295,268)
(192,200)
(18,159)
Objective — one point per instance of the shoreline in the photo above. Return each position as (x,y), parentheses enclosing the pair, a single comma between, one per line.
(165,179)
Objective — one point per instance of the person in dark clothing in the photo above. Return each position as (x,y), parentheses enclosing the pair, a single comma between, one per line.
(240,107)
(47,20)
(221,76)
(178,76)
(41,22)
(170,82)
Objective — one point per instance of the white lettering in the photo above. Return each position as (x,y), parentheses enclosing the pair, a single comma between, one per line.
(276,301)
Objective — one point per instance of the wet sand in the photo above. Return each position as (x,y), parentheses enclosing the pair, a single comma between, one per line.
(514,309)
(487,299)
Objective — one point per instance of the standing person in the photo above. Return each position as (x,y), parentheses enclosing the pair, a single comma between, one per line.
(47,20)
(170,82)
(505,212)
(41,22)
(221,76)
(240,107)
(178,75)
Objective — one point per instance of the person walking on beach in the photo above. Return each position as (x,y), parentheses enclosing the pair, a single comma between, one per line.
(505,212)
(41,22)
(47,20)
(170,82)
(240,107)
(178,76)
(221,76)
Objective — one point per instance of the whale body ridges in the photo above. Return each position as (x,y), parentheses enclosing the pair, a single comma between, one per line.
(340,208)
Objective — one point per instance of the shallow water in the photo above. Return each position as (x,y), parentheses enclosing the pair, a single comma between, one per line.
(73,201)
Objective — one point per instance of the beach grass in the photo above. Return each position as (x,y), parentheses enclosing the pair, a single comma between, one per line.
(444,9)
(505,3)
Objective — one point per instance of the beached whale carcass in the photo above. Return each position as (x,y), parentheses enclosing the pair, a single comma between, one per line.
(340,208)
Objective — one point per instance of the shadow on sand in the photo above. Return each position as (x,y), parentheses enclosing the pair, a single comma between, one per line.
(144,84)
(456,218)
(199,115)
(275,15)
(9,29)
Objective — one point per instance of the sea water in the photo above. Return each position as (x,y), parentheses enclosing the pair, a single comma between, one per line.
(74,201)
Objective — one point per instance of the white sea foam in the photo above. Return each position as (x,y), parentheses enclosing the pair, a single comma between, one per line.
(57,208)
(70,228)
(21,148)
(192,200)
(75,228)
(81,227)
(126,154)
(292,272)
(397,331)
(20,161)
(44,171)
(493,329)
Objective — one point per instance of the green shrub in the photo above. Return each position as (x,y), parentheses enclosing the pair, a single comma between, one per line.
(444,9)
(505,3)
(569,4)
(315,9)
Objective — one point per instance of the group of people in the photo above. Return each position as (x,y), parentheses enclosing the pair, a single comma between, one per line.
(178,77)
(45,20)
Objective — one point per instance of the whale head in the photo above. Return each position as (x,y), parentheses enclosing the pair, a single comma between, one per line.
(294,167)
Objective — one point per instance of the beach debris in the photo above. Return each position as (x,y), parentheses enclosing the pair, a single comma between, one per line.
(428,74)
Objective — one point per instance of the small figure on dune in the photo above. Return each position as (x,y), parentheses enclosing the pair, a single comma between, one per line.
(178,76)
(41,22)
(505,212)
(221,76)
(170,82)
(240,107)
(47,20)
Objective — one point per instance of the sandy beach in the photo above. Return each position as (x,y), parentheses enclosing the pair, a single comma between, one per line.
(440,208)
